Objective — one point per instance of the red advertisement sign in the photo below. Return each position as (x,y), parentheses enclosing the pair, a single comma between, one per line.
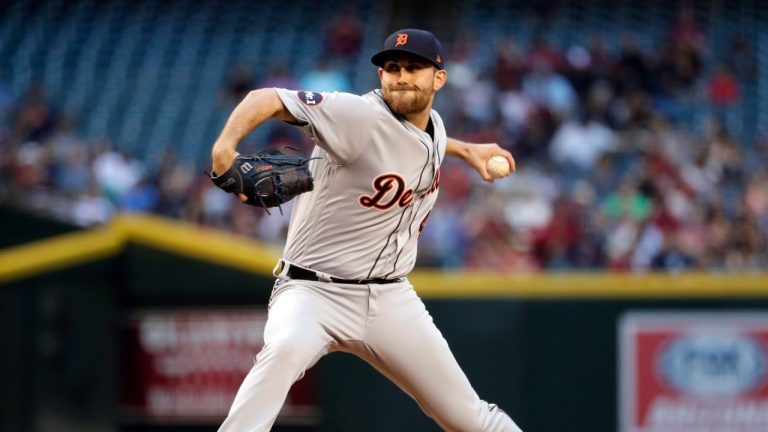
(693,372)
(188,365)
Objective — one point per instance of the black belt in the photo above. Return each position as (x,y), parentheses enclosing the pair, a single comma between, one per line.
(295,272)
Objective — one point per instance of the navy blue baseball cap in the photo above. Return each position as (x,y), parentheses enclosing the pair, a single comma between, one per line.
(419,42)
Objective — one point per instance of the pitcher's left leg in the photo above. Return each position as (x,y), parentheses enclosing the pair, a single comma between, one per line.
(406,346)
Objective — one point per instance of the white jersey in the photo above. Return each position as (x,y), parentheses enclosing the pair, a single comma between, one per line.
(375,182)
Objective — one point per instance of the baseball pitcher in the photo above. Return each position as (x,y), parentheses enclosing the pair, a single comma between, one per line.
(361,202)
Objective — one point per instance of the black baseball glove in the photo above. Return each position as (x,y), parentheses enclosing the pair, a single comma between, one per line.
(267,178)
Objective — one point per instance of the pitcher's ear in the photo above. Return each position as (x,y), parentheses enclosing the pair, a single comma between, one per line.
(441,76)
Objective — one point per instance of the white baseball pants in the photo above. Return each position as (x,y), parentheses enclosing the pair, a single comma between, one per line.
(386,325)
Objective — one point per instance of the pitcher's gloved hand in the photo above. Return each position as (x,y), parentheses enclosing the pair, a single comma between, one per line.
(267,178)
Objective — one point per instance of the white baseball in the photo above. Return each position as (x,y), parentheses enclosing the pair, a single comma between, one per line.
(497,166)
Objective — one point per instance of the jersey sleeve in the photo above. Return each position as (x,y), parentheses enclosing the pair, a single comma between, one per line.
(339,123)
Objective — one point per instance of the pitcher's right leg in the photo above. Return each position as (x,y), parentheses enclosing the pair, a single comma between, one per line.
(293,341)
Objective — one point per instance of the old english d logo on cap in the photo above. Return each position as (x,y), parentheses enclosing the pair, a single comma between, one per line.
(402,39)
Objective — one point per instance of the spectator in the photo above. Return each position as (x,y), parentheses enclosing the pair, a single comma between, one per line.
(605,175)
(558,242)
(627,203)
(671,258)
(686,32)
(344,35)
(116,173)
(91,208)
(64,138)
(142,197)
(509,66)
(215,206)
(691,234)
(756,196)
(278,76)
(649,247)
(741,57)
(543,55)
(726,158)
(632,71)
(578,69)
(463,58)
(74,174)
(600,60)
(174,188)
(718,236)
(579,143)
(723,88)
(239,84)
(34,118)
(550,89)
(517,110)
(478,102)
(745,244)
(634,112)
(756,203)
(680,71)
(325,78)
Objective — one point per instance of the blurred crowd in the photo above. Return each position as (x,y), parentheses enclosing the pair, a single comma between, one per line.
(611,174)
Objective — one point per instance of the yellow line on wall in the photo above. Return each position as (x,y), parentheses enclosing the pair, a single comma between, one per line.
(246,254)
(58,252)
(199,242)
(176,237)
(437,284)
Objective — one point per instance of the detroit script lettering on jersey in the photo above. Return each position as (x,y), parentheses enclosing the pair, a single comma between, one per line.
(390,189)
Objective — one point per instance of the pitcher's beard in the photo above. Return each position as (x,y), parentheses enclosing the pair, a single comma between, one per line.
(406,102)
